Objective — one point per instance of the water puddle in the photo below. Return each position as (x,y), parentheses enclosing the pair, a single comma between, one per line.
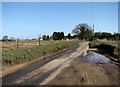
(93,57)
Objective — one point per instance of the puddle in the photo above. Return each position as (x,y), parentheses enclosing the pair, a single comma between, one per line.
(93,57)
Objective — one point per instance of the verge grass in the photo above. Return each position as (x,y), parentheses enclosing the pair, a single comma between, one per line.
(21,55)
(111,49)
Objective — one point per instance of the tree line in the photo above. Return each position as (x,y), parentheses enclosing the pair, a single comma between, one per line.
(82,31)
(85,32)
(106,35)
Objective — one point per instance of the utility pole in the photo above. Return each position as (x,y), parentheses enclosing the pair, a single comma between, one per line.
(92,23)
(93,31)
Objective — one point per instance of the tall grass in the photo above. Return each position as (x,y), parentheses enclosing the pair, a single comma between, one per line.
(107,48)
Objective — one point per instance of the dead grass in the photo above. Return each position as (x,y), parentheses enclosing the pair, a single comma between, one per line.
(24,43)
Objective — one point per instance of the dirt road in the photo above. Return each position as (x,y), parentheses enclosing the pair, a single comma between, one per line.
(87,74)
(66,69)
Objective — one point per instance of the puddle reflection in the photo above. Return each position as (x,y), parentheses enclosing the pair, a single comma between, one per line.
(93,57)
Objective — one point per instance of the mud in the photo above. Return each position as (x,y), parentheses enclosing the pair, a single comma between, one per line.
(68,68)
(93,69)
(11,78)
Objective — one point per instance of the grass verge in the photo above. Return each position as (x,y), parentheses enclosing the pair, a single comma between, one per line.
(21,55)
(111,51)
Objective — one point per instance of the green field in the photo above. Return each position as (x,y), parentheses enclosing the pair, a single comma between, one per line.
(21,55)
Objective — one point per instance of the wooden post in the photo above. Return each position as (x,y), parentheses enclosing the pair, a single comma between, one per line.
(17,43)
(39,41)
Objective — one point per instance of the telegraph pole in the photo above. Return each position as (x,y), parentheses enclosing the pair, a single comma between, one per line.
(92,23)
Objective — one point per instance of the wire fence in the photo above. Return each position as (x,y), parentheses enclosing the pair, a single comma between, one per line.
(23,43)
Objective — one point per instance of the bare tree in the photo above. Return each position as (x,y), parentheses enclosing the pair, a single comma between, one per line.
(83,31)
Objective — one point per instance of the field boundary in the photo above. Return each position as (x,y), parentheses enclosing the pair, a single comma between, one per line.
(17,67)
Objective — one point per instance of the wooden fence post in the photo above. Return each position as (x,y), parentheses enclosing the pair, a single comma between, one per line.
(17,43)
(39,41)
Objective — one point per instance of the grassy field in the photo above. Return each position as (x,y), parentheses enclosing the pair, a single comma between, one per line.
(25,54)
(24,43)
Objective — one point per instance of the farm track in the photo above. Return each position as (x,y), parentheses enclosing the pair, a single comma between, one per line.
(64,70)
(10,78)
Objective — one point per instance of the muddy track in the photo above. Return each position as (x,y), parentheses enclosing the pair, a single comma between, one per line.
(10,78)
(38,72)
(68,68)
(87,74)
